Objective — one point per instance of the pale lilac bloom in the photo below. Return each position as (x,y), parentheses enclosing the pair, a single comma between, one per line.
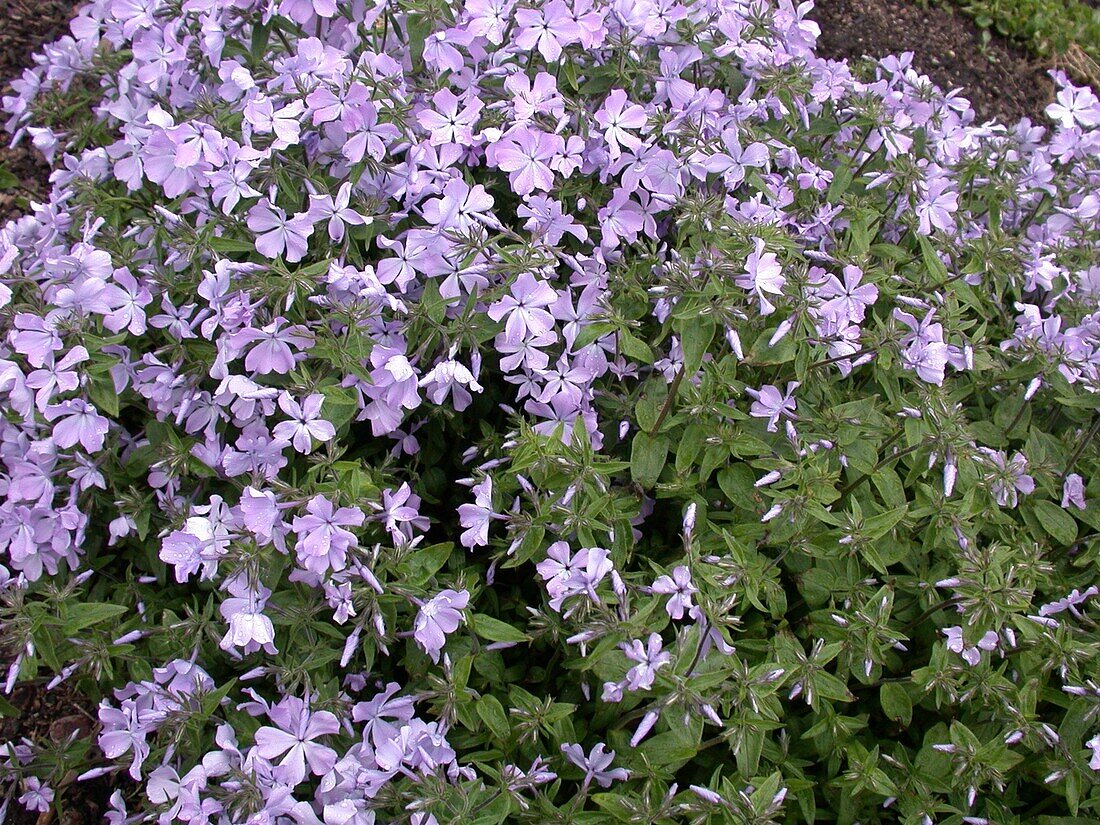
(452,119)
(1008,476)
(271,348)
(525,307)
(971,654)
(772,404)
(279,235)
(306,424)
(732,163)
(249,629)
(936,207)
(460,207)
(336,211)
(596,764)
(294,739)
(399,513)
(650,657)
(530,98)
(489,18)
(526,155)
(1070,602)
(679,587)
(1075,105)
(323,537)
(450,377)
(846,301)
(438,617)
(618,118)
(124,730)
(474,518)
(763,276)
(547,219)
(925,351)
(1094,745)
(548,28)
(77,421)
(38,795)
(1073,492)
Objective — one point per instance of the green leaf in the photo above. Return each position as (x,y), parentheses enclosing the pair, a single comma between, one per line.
(1057,523)
(495,630)
(737,484)
(647,458)
(231,245)
(695,338)
(889,486)
(101,391)
(635,348)
(339,406)
(691,443)
(423,563)
(7,179)
(85,615)
(492,714)
(895,702)
(419,27)
(878,526)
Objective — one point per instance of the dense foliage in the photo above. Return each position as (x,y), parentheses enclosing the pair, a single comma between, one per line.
(1046,27)
(527,412)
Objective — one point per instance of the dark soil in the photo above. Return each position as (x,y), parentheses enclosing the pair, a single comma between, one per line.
(999,79)
(47,718)
(24,26)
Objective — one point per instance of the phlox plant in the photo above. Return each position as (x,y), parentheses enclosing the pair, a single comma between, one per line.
(581,411)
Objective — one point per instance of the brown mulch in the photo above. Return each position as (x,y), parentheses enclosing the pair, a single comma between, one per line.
(24,26)
(999,79)
(48,718)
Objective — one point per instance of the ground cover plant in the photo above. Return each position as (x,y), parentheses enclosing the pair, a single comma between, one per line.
(563,412)
(1047,27)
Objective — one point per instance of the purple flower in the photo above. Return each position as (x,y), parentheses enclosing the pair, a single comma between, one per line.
(846,302)
(293,738)
(335,210)
(936,208)
(38,796)
(650,658)
(596,764)
(772,404)
(323,541)
(1075,105)
(971,654)
(122,731)
(548,28)
(679,587)
(270,347)
(440,615)
(526,155)
(525,308)
(399,513)
(474,518)
(1007,477)
(306,423)
(1073,492)
(76,421)
(452,119)
(618,117)
(763,275)
(277,234)
(1094,745)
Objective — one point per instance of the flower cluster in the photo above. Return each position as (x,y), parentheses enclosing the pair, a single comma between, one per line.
(426,412)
